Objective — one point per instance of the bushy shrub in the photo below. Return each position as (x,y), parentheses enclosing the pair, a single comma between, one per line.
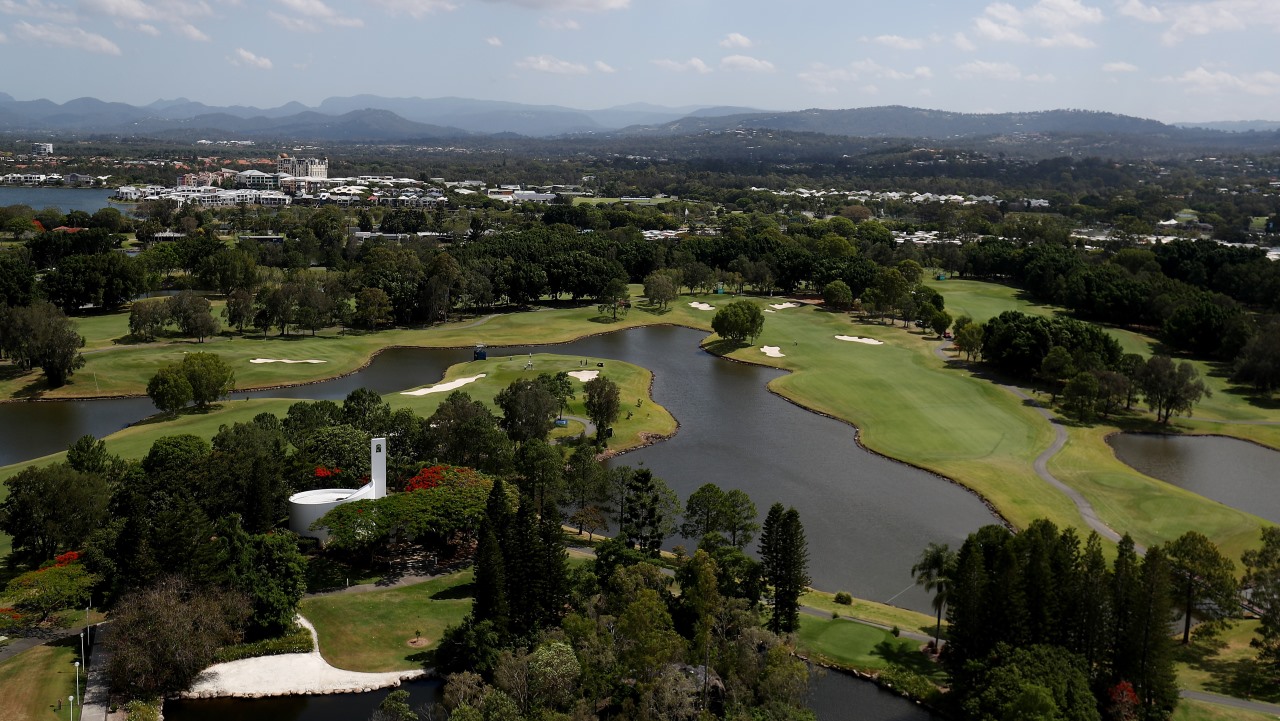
(844,599)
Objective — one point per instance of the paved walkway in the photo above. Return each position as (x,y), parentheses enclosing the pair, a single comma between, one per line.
(289,674)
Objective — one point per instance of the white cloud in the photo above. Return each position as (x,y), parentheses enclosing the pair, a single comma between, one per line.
(1119,67)
(963,42)
(1065,40)
(494,40)
(558,24)
(988,71)
(64,36)
(604,67)
(416,9)
(1056,19)
(309,15)
(581,5)
(177,14)
(736,40)
(146,29)
(898,42)
(1138,11)
(37,9)
(825,79)
(245,58)
(692,64)
(746,62)
(1212,82)
(551,64)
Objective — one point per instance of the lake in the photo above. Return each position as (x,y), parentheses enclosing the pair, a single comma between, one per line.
(866,517)
(89,200)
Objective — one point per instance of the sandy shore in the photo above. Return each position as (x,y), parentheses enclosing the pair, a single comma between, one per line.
(442,387)
(290,674)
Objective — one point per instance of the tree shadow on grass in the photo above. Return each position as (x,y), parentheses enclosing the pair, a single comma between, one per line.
(723,346)
(906,656)
(606,319)
(653,310)
(1241,678)
(455,593)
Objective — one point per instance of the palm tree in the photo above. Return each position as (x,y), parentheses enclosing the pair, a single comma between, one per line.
(934,572)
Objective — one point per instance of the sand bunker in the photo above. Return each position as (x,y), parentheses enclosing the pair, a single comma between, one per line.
(767,310)
(442,387)
(773,351)
(859,339)
(281,360)
(702,306)
(583,376)
(780,306)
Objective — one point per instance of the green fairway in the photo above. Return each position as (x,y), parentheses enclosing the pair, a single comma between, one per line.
(371,631)
(37,682)
(983,301)
(866,648)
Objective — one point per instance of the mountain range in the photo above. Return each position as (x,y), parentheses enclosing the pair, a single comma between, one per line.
(371,118)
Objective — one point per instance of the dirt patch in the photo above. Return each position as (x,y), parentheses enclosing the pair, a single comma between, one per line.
(419,642)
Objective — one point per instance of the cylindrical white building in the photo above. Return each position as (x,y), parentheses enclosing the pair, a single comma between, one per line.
(307,507)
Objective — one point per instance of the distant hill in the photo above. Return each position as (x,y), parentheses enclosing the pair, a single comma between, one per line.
(896,121)
(1235,126)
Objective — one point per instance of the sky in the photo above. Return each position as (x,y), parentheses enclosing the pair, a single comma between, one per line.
(1172,60)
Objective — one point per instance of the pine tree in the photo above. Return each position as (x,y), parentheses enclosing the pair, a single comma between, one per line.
(1155,679)
(785,554)
(553,568)
(490,581)
(523,553)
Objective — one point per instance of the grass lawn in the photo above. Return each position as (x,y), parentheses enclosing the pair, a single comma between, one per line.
(872,611)
(983,301)
(370,631)
(1189,710)
(866,648)
(1226,666)
(32,682)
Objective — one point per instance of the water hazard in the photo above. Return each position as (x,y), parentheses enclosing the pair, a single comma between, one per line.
(867,518)
(1232,472)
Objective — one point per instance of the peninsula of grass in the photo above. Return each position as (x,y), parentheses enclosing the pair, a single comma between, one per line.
(872,611)
(849,644)
(371,631)
(640,420)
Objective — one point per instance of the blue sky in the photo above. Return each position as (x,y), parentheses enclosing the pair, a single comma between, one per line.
(1173,60)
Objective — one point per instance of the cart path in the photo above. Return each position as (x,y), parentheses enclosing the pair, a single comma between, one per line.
(1041,463)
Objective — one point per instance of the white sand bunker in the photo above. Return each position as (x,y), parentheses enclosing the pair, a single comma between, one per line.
(773,351)
(442,387)
(702,306)
(282,360)
(767,310)
(781,306)
(859,339)
(288,674)
(583,376)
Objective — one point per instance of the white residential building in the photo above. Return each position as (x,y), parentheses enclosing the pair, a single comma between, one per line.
(303,167)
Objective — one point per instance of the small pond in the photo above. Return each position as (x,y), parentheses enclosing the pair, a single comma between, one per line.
(1232,472)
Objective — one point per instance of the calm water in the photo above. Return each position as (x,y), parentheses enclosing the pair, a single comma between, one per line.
(65,199)
(833,698)
(1232,472)
(866,518)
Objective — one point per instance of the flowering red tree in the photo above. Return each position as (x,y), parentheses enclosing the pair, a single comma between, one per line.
(1124,701)
(428,477)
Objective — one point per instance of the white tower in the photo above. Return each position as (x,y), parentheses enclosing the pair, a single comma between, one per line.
(378,466)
